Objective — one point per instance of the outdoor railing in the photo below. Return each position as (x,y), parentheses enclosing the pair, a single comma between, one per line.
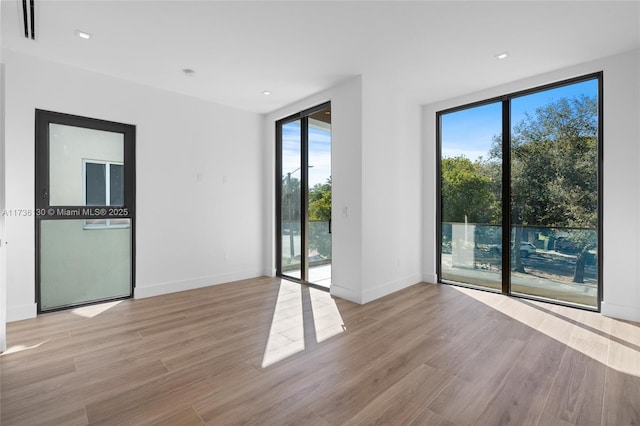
(319,240)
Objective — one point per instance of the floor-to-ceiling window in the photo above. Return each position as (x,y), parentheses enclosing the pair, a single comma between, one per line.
(522,172)
(303,186)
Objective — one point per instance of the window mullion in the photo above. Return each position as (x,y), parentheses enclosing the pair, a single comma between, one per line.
(506,196)
(107,184)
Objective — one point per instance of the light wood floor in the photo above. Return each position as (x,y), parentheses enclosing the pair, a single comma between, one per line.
(267,352)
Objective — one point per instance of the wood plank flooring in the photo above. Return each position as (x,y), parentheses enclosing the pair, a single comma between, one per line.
(271,352)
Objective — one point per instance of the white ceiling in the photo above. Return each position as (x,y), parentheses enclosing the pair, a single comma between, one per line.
(427,50)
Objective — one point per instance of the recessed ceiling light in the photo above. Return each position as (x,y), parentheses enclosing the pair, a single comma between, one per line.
(502,55)
(266,92)
(188,72)
(83,35)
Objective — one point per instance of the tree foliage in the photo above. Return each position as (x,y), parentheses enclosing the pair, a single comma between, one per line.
(319,210)
(319,217)
(554,165)
(554,177)
(320,201)
(467,191)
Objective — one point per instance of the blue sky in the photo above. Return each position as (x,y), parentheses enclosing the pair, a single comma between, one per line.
(470,132)
(319,152)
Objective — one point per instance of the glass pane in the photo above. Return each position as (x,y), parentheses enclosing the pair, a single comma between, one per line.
(79,265)
(69,150)
(471,191)
(554,185)
(96,191)
(319,153)
(116,177)
(291,207)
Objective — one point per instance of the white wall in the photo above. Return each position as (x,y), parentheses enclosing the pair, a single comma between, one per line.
(376,164)
(3,263)
(392,190)
(621,192)
(346,177)
(187,218)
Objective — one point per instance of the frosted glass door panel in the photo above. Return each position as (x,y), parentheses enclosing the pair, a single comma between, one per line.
(79,265)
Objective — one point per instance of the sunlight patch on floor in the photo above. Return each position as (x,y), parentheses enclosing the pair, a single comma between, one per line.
(287,315)
(21,348)
(301,314)
(326,316)
(583,331)
(94,310)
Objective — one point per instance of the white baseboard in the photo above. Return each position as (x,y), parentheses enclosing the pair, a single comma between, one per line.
(21,312)
(388,288)
(374,293)
(345,293)
(430,278)
(627,313)
(141,292)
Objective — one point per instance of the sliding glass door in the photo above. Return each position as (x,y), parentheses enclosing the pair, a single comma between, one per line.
(541,151)
(304,196)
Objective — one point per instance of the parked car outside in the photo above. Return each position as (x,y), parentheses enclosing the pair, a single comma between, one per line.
(526,248)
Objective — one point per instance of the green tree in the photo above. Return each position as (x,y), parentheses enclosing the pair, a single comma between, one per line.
(467,194)
(320,201)
(319,217)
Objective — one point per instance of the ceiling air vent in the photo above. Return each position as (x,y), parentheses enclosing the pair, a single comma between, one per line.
(29,18)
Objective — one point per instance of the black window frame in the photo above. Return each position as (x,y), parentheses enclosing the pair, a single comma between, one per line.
(108,181)
(505,100)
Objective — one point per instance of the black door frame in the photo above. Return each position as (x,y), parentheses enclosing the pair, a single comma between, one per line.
(44,211)
(303,116)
